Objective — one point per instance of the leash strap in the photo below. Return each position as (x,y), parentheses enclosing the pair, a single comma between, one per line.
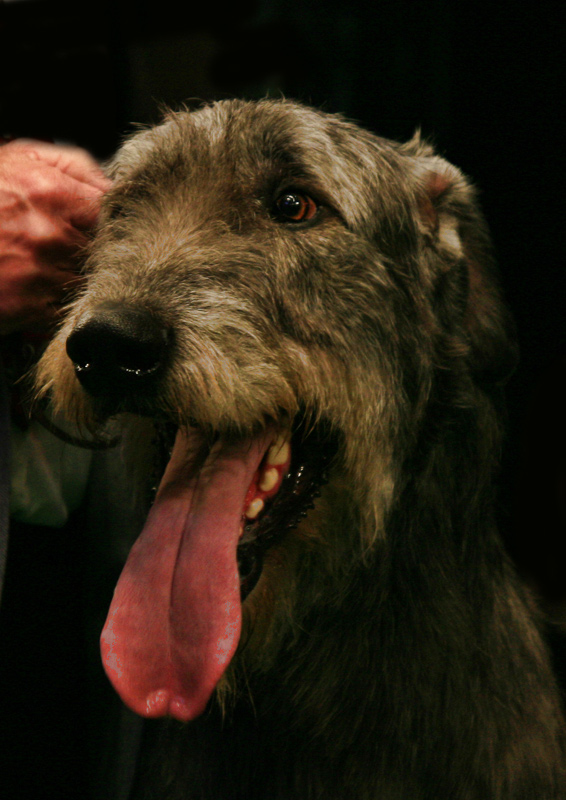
(4,471)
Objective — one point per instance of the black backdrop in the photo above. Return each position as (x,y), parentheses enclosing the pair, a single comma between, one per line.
(485,82)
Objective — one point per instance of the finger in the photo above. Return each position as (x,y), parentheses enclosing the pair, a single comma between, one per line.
(81,208)
(74,203)
(49,237)
(65,182)
(72,161)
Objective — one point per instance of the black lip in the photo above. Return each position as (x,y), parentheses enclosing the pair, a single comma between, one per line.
(312,452)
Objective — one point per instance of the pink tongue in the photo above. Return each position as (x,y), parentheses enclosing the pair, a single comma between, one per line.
(174,622)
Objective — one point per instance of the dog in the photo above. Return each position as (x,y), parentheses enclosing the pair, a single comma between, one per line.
(307,319)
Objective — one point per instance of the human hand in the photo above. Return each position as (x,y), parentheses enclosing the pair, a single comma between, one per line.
(49,200)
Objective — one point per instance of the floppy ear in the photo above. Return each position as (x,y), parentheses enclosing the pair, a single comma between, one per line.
(458,243)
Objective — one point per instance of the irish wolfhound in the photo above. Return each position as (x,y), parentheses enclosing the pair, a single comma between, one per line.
(319,588)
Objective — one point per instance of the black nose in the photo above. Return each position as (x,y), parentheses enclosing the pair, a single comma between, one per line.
(118,350)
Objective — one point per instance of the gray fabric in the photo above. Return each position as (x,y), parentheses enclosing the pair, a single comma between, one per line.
(119,772)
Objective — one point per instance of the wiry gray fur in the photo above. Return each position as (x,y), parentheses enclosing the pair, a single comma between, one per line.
(389,652)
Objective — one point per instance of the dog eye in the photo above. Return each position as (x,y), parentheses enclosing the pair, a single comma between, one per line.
(294,207)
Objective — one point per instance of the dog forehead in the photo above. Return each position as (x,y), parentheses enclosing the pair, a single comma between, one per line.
(234,130)
(255,146)
(242,133)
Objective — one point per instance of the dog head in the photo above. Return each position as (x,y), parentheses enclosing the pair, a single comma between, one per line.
(299,300)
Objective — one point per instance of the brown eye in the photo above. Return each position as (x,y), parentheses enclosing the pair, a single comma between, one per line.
(295,207)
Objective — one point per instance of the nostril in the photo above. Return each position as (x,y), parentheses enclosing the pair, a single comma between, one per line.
(118,349)
(95,344)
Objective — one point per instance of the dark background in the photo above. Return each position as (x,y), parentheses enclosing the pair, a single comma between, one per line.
(485,82)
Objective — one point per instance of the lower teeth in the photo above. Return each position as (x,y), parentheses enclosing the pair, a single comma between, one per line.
(254,508)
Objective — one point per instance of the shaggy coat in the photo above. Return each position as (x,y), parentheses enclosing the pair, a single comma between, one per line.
(296,275)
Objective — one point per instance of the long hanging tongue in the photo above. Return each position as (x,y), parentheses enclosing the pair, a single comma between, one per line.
(175,619)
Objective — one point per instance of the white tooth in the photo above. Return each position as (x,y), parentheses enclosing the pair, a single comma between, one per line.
(269,479)
(254,508)
(279,452)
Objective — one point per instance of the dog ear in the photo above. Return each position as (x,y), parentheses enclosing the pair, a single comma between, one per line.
(459,246)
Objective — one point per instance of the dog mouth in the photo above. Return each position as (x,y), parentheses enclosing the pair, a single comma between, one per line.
(223,502)
(283,489)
